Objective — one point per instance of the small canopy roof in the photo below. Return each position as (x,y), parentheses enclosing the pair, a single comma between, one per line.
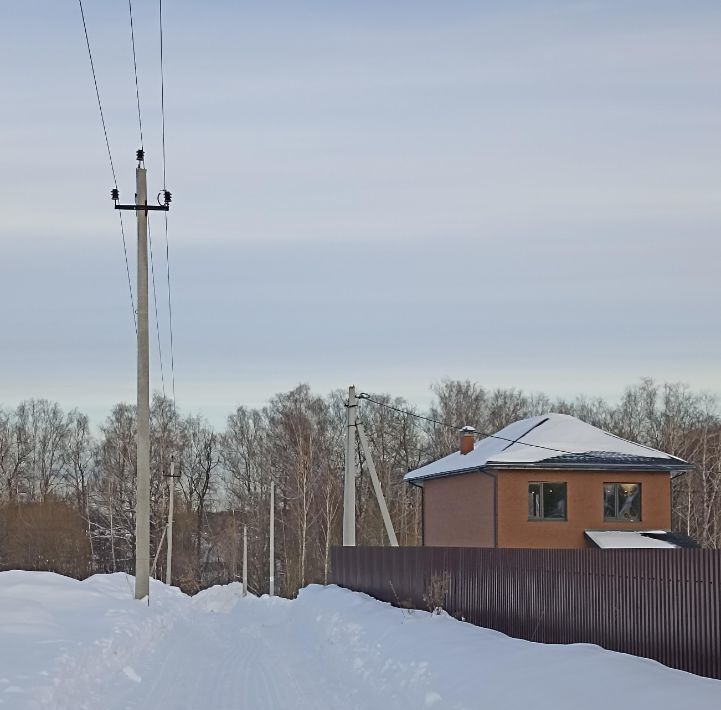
(552,441)
(615,539)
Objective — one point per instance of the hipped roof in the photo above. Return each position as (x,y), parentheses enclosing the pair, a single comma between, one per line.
(552,441)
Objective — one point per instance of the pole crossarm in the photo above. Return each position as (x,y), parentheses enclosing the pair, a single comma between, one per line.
(145,208)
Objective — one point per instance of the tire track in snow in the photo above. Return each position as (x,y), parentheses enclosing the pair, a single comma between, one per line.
(250,658)
(260,654)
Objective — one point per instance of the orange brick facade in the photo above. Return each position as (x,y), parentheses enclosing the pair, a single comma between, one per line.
(459,511)
(481,510)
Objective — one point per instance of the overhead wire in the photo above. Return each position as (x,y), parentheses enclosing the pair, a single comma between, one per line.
(97,93)
(115,183)
(127,271)
(165,214)
(155,302)
(162,86)
(366,397)
(135,71)
(110,159)
(170,311)
(150,241)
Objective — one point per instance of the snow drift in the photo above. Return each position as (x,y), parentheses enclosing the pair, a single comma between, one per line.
(70,644)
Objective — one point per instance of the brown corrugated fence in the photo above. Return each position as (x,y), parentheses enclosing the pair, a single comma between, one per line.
(661,604)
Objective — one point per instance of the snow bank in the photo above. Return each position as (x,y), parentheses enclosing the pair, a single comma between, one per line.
(89,645)
(440,662)
(61,638)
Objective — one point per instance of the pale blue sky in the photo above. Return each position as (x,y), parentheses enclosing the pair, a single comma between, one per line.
(522,193)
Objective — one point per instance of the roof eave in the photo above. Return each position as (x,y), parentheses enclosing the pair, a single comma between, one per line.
(673,468)
(444,474)
(555,466)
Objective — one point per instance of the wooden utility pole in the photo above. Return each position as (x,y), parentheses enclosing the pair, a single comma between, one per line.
(350,472)
(142,504)
(271,575)
(171,499)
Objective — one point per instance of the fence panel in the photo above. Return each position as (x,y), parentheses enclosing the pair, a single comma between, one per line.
(660,604)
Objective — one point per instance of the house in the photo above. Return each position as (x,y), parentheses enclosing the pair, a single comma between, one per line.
(551,481)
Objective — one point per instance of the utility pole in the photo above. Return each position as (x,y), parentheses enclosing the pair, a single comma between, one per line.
(350,472)
(142,505)
(112,528)
(271,582)
(171,499)
(245,560)
(390,530)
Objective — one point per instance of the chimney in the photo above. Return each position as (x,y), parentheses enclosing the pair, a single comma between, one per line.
(468,439)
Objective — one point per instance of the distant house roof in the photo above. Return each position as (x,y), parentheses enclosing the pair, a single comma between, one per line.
(615,539)
(552,441)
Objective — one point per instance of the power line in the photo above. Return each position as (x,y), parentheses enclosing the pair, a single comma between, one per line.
(167,245)
(127,271)
(135,70)
(110,159)
(368,398)
(97,94)
(162,85)
(155,301)
(170,310)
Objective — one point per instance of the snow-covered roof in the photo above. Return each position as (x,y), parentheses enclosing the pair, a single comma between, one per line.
(610,539)
(552,441)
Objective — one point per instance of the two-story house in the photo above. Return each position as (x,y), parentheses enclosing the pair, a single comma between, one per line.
(550,481)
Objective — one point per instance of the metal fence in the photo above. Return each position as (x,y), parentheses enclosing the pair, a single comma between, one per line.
(660,604)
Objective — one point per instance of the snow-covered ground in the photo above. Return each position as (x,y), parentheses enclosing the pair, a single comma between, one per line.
(69,644)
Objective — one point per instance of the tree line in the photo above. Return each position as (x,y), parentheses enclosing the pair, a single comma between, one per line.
(67,496)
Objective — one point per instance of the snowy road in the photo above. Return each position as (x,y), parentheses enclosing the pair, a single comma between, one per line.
(88,645)
(251,664)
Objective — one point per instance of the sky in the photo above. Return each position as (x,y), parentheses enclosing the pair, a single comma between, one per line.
(382,194)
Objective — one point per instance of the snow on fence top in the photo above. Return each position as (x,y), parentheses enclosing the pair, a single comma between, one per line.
(552,440)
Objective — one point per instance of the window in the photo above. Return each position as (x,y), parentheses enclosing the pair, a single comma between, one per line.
(622,501)
(547,501)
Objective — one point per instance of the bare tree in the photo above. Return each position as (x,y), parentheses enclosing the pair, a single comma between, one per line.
(200,460)
(79,455)
(55,476)
(16,451)
(113,490)
(457,402)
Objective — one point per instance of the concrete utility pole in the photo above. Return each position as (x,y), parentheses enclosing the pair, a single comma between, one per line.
(377,485)
(350,472)
(142,505)
(245,560)
(171,499)
(271,584)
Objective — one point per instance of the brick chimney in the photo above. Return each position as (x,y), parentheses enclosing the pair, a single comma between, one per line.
(468,439)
